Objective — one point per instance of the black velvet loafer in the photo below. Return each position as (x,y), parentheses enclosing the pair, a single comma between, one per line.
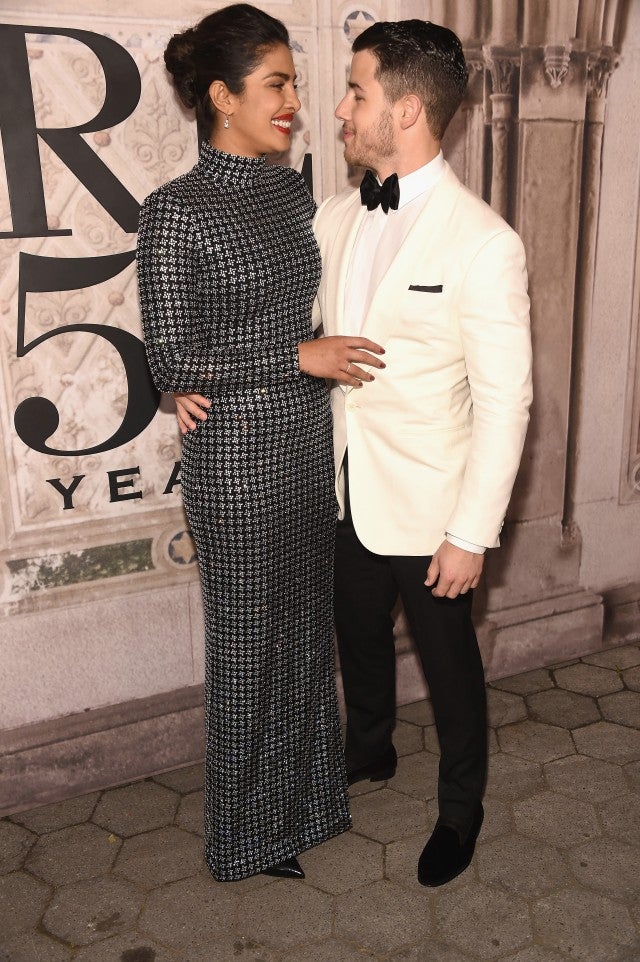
(377,771)
(289,868)
(444,856)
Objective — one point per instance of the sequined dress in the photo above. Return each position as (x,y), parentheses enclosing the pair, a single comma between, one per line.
(228,269)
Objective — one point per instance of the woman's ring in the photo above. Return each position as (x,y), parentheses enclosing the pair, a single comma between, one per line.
(348,366)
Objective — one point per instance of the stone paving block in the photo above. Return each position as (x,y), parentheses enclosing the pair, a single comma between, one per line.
(189,912)
(50,818)
(22,902)
(613,743)
(33,947)
(589,779)
(632,771)
(183,780)
(631,678)
(407,738)
(383,917)
(431,742)
(621,818)
(626,656)
(417,775)
(329,951)
(498,818)
(15,843)
(417,713)
(158,857)
(565,664)
(385,816)
(522,866)
(623,707)
(130,947)
(136,808)
(504,707)
(365,788)
(588,679)
(513,777)
(535,741)
(230,948)
(430,951)
(342,863)
(74,853)
(527,683)
(92,910)
(585,926)
(190,815)
(609,866)
(481,920)
(567,709)
(286,914)
(556,819)
(534,953)
(401,862)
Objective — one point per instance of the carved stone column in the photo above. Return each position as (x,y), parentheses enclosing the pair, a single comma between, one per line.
(501,64)
(533,599)
(600,65)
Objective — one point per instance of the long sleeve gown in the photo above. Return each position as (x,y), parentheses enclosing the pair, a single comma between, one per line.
(228,268)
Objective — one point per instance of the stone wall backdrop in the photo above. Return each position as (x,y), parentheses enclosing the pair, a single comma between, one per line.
(101,655)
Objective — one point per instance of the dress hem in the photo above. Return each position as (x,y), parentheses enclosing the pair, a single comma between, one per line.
(279,855)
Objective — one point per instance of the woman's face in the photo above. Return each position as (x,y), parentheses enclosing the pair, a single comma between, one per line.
(260,117)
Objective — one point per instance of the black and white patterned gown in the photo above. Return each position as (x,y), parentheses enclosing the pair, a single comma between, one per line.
(228,268)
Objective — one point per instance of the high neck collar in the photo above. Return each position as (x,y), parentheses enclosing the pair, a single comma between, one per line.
(224,167)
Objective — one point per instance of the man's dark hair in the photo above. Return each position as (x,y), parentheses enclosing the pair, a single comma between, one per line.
(422,58)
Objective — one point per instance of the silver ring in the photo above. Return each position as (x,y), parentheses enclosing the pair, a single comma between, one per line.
(348,366)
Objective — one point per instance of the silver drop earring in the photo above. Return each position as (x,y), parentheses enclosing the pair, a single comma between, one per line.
(226,121)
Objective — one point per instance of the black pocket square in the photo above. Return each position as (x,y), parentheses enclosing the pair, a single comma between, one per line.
(426,288)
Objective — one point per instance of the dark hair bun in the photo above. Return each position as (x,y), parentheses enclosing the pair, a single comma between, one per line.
(180,62)
(227,45)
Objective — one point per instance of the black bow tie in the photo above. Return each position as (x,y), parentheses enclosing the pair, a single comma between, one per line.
(387,194)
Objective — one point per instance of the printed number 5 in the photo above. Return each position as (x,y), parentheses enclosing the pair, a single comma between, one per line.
(36,418)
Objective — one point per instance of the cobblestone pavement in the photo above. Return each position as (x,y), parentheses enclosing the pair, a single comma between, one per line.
(117,876)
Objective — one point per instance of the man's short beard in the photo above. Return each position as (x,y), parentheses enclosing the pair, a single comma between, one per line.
(378,144)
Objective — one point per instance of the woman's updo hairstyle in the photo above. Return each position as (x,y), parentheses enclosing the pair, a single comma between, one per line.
(227,45)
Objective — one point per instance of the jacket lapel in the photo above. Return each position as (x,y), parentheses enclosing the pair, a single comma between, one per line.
(337,264)
(424,238)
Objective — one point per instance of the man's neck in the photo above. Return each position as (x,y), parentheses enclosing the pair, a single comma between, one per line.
(403,164)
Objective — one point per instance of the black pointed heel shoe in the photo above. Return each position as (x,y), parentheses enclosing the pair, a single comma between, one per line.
(289,868)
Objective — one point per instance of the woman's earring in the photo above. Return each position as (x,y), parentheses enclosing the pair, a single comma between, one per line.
(226,121)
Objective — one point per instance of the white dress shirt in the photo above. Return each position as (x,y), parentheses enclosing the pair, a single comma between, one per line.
(379,239)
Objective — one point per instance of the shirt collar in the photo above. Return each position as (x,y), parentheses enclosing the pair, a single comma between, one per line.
(420,180)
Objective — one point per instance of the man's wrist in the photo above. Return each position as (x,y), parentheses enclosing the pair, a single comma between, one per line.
(465,545)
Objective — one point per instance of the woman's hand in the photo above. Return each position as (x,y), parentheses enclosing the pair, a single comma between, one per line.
(188,408)
(338,358)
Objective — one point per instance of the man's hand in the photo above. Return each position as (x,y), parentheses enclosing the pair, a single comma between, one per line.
(337,358)
(188,408)
(455,570)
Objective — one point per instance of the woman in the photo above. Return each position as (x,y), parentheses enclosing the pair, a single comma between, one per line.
(228,269)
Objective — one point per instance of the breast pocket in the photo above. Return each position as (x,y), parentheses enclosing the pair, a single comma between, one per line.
(424,304)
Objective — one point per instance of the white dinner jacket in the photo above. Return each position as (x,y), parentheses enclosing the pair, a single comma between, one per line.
(435,441)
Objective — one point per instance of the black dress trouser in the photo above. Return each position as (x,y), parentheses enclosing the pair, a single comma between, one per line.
(367,587)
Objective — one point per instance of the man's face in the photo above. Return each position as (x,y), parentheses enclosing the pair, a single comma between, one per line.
(366,115)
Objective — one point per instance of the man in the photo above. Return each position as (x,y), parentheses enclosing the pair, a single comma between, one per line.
(426,455)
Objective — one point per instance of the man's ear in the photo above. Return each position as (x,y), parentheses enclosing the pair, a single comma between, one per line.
(220,97)
(410,110)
